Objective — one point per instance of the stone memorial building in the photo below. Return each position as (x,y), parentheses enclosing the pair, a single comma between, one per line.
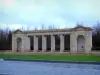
(77,39)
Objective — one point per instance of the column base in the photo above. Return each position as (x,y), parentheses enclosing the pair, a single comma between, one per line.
(43,50)
(87,52)
(73,52)
(13,50)
(22,51)
(61,50)
(35,50)
(52,50)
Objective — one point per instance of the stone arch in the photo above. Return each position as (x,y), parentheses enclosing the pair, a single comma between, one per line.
(80,43)
(19,44)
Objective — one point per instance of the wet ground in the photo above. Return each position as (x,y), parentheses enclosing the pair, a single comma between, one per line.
(44,68)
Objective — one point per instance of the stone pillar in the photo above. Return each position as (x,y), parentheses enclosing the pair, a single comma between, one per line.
(13,44)
(35,43)
(23,44)
(88,42)
(73,42)
(27,44)
(52,43)
(61,43)
(43,43)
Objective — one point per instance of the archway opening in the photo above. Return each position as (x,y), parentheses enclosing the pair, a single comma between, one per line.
(48,43)
(19,44)
(39,43)
(80,43)
(67,43)
(57,43)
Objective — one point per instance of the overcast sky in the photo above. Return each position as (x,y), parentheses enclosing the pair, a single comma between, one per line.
(61,13)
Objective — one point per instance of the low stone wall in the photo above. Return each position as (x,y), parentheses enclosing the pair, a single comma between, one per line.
(52,53)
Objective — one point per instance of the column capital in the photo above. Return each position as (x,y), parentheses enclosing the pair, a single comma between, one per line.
(44,35)
(53,34)
(29,36)
(36,35)
(62,34)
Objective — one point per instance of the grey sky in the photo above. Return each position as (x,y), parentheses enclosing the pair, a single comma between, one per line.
(17,13)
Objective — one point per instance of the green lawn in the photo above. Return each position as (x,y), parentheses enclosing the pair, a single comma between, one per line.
(51,57)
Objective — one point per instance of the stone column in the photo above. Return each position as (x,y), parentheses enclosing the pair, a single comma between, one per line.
(61,43)
(43,43)
(52,43)
(35,43)
(13,44)
(28,43)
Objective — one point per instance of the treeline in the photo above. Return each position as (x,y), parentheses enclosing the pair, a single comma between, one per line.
(96,36)
(6,36)
(5,39)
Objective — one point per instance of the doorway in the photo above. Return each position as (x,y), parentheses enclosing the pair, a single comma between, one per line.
(80,43)
(19,44)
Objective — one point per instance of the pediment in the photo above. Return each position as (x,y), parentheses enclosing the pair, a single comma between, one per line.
(18,31)
(82,28)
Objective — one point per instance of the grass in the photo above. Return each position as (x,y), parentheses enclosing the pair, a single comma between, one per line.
(52,57)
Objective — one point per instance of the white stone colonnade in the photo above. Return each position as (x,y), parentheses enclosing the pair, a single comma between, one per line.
(80,39)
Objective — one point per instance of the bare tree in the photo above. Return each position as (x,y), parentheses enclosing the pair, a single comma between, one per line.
(96,36)
(42,27)
(96,28)
(5,39)
(28,28)
(50,27)
(35,28)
